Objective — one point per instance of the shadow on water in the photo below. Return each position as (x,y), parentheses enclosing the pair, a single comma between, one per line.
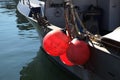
(41,68)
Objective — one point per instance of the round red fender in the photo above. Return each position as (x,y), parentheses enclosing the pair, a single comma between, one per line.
(65,60)
(56,42)
(78,52)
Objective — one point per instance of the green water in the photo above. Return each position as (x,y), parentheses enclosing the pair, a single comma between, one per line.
(21,57)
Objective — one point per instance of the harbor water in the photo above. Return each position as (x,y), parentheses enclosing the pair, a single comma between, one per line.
(21,57)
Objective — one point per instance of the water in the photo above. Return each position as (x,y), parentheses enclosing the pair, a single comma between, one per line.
(21,57)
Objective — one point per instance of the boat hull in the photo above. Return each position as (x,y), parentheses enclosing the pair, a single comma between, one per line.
(78,71)
(103,64)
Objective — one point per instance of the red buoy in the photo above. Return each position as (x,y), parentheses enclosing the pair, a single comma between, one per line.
(65,60)
(56,42)
(78,52)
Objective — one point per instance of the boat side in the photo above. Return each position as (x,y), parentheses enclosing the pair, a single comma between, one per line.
(103,64)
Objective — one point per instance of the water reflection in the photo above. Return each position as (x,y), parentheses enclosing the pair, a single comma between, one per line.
(41,68)
(9,6)
(26,30)
(22,22)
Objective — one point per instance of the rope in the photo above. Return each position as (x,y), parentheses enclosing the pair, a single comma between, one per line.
(74,19)
(75,16)
(29,4)
(69,10)
(67,22)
